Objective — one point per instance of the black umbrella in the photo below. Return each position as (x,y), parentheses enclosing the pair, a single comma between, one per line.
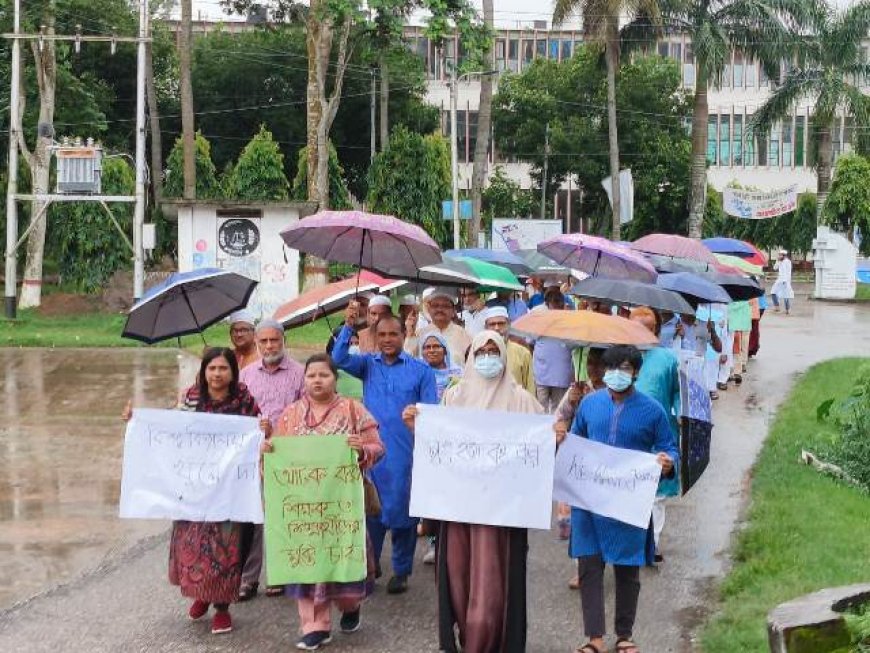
(637,293)
(739,288)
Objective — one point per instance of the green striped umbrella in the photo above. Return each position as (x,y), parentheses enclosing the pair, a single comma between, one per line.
(489,275)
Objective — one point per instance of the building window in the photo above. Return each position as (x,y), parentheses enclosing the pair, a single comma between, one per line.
(762,150)
(554,49)
(773,148)
(738,70)
(541,48)
(528,51)
(749,143)
(663,49)
(726,74)
(712,138)
(737,141)
(787,149)
(751,67)
(724,140)
(677,51)
(799,129)
(763,80)
(514,55)
(566,49)
(689,66)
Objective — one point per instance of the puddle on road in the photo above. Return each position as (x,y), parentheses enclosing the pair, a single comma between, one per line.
(61,444)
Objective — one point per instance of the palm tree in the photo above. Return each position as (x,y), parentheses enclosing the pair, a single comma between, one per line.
(828,57)
(601,23)
(761,29)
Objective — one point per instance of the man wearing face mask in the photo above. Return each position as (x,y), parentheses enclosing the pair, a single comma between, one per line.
(275,381)
(622,417)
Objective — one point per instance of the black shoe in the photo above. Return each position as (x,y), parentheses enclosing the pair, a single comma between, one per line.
(398,584)
(247,592)
(658,558)
(313,641)
(378,572)
(350,621)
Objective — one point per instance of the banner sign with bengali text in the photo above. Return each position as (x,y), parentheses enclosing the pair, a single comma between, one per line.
(191,466)
(758,204)
(315,511)
(483,467)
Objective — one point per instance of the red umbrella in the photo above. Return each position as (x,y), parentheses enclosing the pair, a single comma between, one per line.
(758,258)
(331,298)
(674,246)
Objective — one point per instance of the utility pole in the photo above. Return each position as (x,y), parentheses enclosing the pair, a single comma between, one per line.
(544,177)
(12,184)
(139,209)
(373,114)
(454,158)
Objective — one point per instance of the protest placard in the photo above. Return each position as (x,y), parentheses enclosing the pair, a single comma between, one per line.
(315,511)
(191,466)
(609,481)
(483,467)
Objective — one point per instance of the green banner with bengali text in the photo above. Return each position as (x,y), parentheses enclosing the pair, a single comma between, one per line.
(315,511)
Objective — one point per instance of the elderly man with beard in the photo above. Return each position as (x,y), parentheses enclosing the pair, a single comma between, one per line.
(442,310)
(275,381)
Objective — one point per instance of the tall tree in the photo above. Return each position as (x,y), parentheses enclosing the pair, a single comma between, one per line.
(601,23)
(484,128)
(188,129)
(760,29)
(830,65)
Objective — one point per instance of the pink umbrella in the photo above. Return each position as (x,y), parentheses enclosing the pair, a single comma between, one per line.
(598,257)
(376,242)
(675,246)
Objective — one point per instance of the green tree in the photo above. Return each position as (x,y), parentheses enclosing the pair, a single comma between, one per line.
(82,238)
(504,198)
(339,196)
(830,61)
(761,29)
(848,204)
(259,173)
(601,20)
(410,179)
(207,186)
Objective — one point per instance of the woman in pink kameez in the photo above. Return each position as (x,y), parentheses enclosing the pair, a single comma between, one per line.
(323,412)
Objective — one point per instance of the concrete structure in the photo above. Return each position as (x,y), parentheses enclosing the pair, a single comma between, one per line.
(244,237)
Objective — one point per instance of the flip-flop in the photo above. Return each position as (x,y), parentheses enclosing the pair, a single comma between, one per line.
(589,647)
(629,646)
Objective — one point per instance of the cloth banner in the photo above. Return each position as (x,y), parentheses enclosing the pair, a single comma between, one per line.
(315,511)
(191,466)
(609,481)
(759,205)
(626,194)
(483,467)
(695,440)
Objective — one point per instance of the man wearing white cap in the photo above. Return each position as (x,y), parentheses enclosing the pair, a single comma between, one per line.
(242,337)
(472,316)
(519,359)
(442,310)
(782,286)
(379,306)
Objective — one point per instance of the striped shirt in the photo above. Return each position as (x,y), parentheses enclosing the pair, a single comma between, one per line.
(274,389)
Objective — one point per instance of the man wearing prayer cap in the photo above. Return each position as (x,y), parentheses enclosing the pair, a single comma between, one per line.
(379,306)
(442,310)
(519,359)
(275,381)
(242,337)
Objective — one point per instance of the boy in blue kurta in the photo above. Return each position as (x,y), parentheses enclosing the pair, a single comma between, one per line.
(391,380)
(619,416)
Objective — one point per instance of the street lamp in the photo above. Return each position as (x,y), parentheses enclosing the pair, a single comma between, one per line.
(454,140)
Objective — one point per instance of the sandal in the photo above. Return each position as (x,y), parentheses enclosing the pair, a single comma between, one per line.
(275,590)
(247,592)
(625,645)
(589,647)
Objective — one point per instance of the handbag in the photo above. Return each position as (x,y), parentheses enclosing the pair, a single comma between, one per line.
(372,500)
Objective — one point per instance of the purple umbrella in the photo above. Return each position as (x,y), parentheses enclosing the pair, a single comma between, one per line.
(598,257)
(375,242)
(675,246)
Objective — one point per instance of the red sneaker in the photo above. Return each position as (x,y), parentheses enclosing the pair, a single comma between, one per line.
(221,623)
(198,609)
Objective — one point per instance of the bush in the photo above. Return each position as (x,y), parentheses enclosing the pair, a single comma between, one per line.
(850,450)
(207,186)
(339,195)
(259,173)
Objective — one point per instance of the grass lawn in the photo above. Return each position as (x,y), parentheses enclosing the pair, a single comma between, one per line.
(805,531)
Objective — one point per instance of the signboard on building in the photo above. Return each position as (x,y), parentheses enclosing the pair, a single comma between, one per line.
(522,233)
(759,205)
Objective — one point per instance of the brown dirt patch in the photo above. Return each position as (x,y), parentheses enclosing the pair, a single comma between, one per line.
(62,303)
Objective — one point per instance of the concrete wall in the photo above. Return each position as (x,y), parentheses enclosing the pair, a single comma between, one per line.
(203,243)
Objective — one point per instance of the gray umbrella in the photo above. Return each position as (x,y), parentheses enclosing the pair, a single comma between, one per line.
(636,293)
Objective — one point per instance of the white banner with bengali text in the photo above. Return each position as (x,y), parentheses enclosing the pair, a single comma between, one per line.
(609,481)
(759,204)
(483,467)
(191,466)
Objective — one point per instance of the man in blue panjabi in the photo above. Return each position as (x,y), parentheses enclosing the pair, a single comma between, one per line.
(392,380)
(619,416)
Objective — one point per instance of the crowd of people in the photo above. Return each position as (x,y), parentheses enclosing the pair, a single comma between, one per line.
(456,348)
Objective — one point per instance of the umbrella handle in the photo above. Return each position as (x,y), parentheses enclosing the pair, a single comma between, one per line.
(193,315)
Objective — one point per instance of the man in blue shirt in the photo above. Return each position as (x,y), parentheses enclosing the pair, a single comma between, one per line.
(552,362)
(392,380)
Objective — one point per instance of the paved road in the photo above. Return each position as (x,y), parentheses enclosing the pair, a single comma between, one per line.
(128,606)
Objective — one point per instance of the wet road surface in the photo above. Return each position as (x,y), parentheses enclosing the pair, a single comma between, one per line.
(126,603)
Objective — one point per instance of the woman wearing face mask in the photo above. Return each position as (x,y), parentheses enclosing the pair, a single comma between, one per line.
(621,417)
(482,569)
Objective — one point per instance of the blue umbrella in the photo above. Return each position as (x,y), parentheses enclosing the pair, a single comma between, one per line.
(732,246)
(187,302)
(501,257)
(695,289)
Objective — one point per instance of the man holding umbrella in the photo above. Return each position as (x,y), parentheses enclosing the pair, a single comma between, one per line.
(392,380)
